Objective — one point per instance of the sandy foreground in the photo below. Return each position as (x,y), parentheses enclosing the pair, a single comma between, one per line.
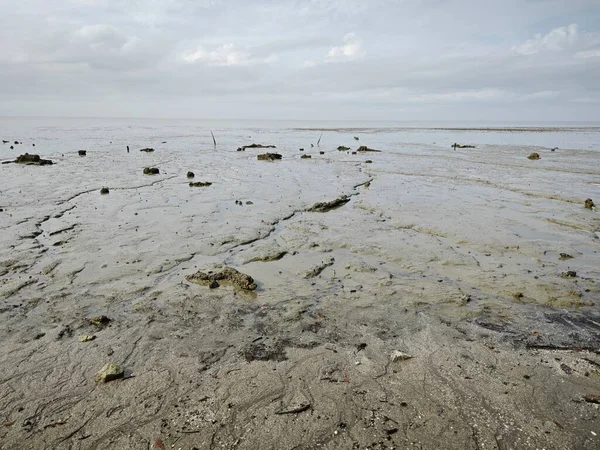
(433,310)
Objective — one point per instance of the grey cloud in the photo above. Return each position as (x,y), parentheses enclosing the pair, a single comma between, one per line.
(412,56)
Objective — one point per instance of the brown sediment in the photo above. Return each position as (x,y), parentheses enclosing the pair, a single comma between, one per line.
(269,157)
(328,206)
(229,274)
(364,148)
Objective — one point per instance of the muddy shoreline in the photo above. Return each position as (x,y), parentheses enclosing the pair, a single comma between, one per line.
(416,301)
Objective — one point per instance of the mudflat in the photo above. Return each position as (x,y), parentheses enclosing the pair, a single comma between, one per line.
(436,297)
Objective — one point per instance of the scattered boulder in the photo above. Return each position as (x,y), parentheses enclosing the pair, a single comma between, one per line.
(16,142)
(368,161)
(269,157)
(589,203)
(328,206)
(554,149)
(569,274)
(82,152)
(244,147)
(301,149)
(214,284)
(5,142)
(32,160)
(534,156)
(565,256)
(109,372)
(342,148)
(400,356)
(11,147)
(151,171)
(200,183)
(86,338)
(321,153)
(249,202)
(104,191)
(100,321)
(306,157)
(364,148)
(228,274)
(354,153)
(190,175)
(147,150)
(455,146)
(356,138)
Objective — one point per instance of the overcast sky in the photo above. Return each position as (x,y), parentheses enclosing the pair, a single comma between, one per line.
(305,59)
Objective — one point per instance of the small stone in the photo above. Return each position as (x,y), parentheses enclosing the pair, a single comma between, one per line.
(589,203)
(214,284)
(569,274)
(565,256)
(82,152)
(534,156)
(104,191)
(100,321)
(109,372)
(151,171)
(400,356)
(249,202)
(87,338)
(190,175)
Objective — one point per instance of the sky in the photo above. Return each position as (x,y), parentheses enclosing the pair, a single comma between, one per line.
(397,60)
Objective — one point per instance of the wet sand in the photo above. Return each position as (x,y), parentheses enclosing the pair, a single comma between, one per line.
(452,257)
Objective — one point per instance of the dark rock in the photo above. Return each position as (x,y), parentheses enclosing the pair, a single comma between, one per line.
(249,202)
(241,149)
(455,146)
(147,150)
(301,149)
(200,184)
(569,274)
(364,148)
(104,191)
(368,161)
(589,203)
(5,142)
(341,148)
(229,274)
(214,284)
(356,138)
(534,156)
(82,152)
(306,157)
(328,206)
(354,153)
(321,153)
(151,171)
(16,142)
(269,157)
(565,256)
(592,399)
(11,147)
(34,160)
(190,175)
(100,321)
